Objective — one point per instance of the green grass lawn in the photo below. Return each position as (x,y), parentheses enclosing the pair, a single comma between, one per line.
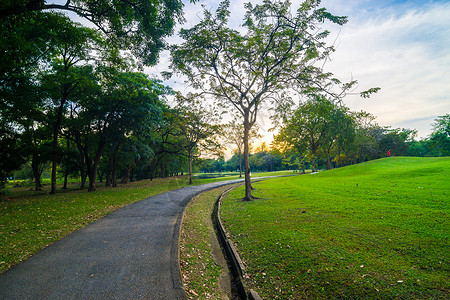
(377,230)
(30,220)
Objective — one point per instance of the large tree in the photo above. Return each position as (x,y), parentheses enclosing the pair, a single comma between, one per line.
(140,26)
(311,126)
(244,69)
(126,103)
(440,137)
(198,128)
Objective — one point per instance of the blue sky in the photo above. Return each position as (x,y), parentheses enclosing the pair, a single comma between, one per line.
(401,46)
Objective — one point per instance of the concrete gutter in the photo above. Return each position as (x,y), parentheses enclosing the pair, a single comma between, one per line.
(235,262)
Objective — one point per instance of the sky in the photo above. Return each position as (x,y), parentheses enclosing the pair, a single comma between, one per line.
(403,47)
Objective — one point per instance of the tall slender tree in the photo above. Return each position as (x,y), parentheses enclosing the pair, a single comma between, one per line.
(75,47)
(276,51)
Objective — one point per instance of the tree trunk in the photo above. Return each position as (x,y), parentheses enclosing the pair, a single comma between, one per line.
(328,162)
(66,171)
(190,167)
(56,127)
(66,175)
(114,171)
(126,176)
(248,183)
(54,162)
(36,173)
(240,164)
(54,155)
(81,150)
(96,161)
(132,171)
(92,175)
(313,165)
(108,173)
(100,176)
(163,170)
(108,179)
(83,178)
(87,168)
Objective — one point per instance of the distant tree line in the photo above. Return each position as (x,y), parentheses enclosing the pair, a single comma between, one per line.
(332,137)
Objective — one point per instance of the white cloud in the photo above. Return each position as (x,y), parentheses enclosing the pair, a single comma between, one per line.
(407,54)
(402,48)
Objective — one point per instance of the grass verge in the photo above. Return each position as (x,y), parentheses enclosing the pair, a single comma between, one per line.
(378,230)
(201,259)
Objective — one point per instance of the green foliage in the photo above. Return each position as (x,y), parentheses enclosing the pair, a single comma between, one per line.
(140,26)
(315,126)
(318,128)
(375,230)
(264,162)
(64,86)
(440,137)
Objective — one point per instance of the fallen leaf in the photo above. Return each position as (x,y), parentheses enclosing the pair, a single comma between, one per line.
(192,292)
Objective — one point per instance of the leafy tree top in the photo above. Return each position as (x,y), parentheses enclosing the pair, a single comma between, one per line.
(140,26)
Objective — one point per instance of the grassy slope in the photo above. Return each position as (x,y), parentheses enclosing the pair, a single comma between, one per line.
(373,230)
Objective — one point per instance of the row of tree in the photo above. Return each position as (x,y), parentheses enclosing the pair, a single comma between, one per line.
(323,135)
(320,128)
(74,101)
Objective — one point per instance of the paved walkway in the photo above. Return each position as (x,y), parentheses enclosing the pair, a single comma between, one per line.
(131,253)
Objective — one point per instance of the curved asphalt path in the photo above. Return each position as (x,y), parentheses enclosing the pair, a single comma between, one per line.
(131,253)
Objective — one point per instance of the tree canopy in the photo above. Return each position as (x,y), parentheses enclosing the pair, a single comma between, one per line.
(277,51)
(140,26)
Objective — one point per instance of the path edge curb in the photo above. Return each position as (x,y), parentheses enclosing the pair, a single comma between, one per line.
(236,264)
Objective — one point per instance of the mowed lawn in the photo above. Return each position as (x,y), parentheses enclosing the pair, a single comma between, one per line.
(377,230)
